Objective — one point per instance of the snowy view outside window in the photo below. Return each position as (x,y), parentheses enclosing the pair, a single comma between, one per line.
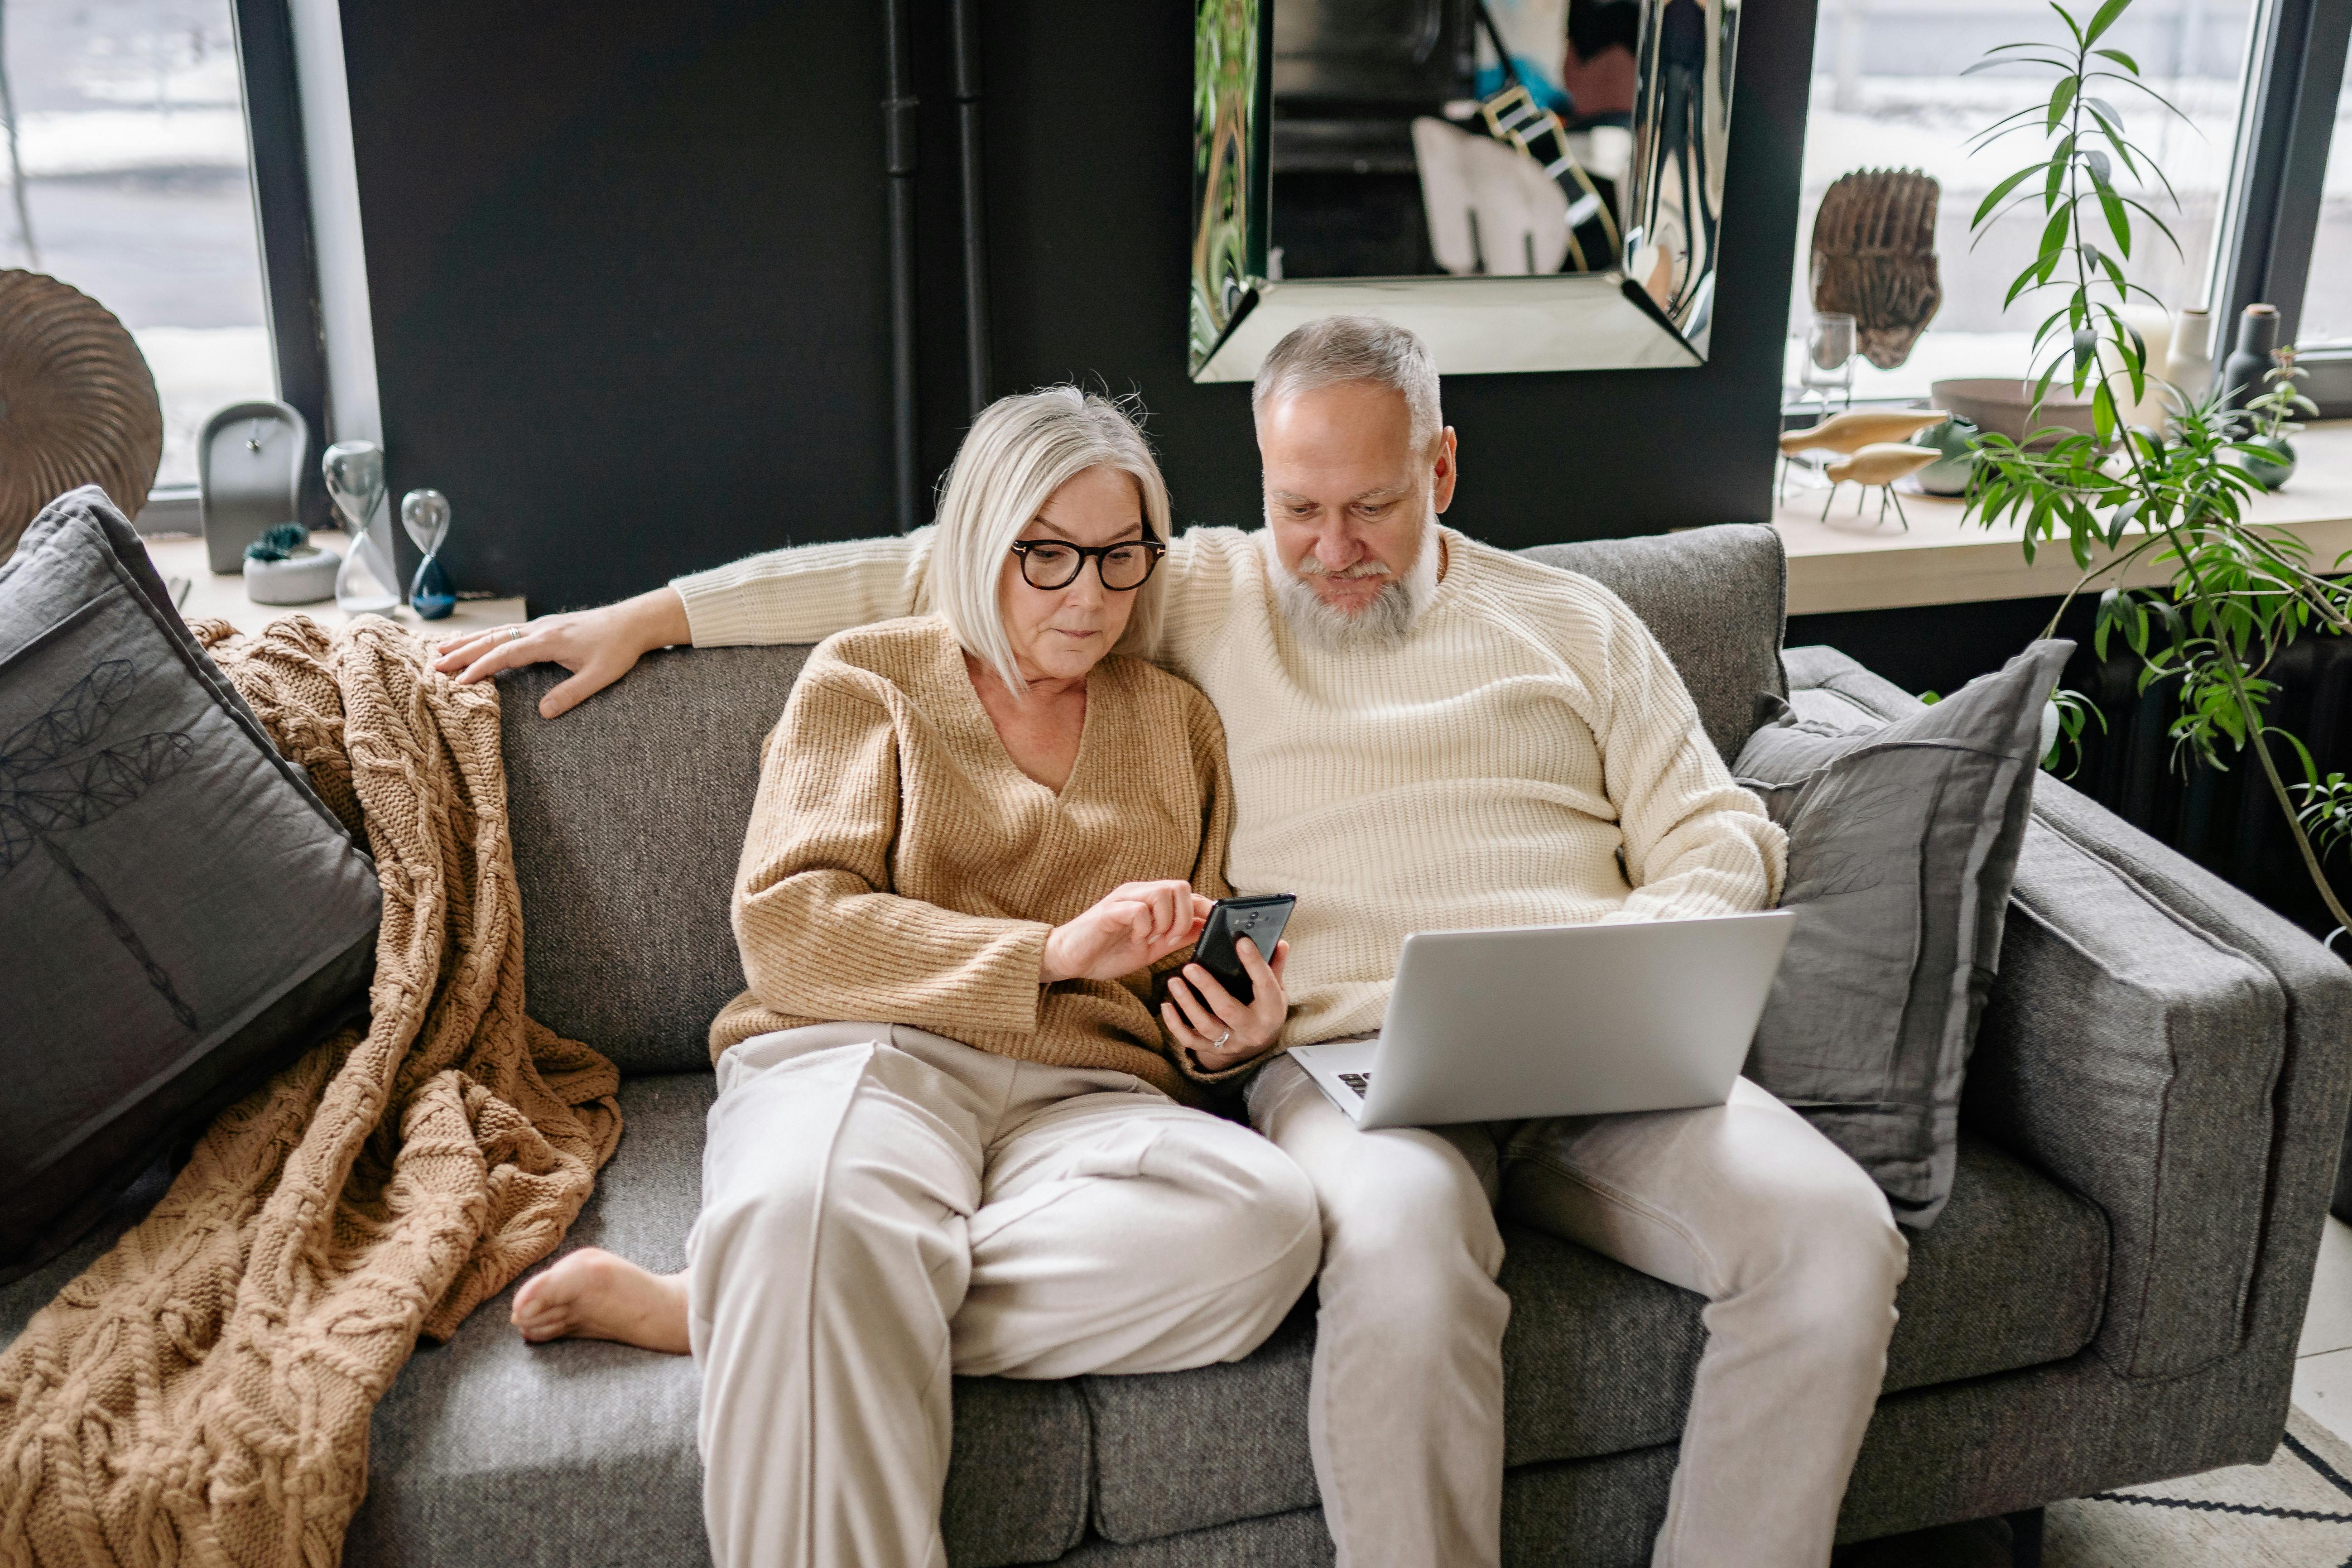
(2327,299)
(1887,93)
(131,137)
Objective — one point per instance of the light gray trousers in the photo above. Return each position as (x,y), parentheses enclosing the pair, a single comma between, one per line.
(1746,1203)
(882,1207)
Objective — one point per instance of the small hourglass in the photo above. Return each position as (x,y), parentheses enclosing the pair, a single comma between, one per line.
(425,515)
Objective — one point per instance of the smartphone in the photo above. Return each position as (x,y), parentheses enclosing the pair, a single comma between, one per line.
(1259,918)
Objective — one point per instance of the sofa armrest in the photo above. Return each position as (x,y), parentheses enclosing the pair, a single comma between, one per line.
(2164,1046)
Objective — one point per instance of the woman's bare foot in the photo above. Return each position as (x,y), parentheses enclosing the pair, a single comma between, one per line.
(592,1295)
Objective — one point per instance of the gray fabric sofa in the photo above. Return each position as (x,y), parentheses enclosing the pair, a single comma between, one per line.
(2150,1135)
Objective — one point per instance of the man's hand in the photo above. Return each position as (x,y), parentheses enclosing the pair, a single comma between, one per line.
(1136,924)
(1217,1028)
(598,646)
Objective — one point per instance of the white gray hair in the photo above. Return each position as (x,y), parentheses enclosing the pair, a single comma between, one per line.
(1354,348)
(1017,453)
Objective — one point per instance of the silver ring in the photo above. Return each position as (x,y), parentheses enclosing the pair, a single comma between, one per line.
(1219,1043)
(513,632)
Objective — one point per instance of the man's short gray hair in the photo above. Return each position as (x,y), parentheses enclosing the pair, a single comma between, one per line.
(1354,348)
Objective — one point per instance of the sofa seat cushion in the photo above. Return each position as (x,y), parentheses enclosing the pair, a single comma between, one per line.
(491,1451)
(1599,1358)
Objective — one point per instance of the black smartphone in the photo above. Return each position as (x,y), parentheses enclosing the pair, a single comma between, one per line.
(1260,919)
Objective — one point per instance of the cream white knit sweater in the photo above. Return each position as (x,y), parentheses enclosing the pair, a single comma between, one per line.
(1526,756)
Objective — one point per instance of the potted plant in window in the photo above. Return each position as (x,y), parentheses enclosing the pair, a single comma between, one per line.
(2273,413)
(2118,496)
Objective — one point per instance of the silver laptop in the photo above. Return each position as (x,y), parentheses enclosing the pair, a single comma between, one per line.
(1488,1025)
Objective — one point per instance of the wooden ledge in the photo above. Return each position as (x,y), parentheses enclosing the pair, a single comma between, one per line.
(1852,562)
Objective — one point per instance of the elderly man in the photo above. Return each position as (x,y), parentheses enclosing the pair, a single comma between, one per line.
(1430,733)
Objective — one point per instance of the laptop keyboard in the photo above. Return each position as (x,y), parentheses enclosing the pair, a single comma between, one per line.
(1358,1081)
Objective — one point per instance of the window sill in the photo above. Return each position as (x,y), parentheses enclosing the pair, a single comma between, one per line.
(1852,562)
(222,595)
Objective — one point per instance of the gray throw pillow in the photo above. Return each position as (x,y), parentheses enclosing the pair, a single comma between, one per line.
(180,913)
(1903,843)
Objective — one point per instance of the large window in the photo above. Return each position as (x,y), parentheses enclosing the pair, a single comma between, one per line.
(128,180)
(1887,93)
(2327,296)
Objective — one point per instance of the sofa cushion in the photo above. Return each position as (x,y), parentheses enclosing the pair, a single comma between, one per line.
(492,1451)
(182,914)
(1715,599)
(1903,841)
(1599,1358)
(627,821)
(2136,1043)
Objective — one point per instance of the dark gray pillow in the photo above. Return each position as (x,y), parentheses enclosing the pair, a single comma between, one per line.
(1903,842)
(180,913)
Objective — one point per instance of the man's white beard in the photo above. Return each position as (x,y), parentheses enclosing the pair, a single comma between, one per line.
(1383,623)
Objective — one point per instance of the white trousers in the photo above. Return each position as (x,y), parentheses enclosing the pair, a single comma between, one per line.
(1746,1203)
(882,1207)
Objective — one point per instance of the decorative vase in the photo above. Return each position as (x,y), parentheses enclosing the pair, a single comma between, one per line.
(2241,373)
(2190,365)
(1951,474)
(425,515)
(2269,472)
(369,584)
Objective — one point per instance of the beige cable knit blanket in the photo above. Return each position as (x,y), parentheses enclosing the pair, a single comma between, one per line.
(200,1395)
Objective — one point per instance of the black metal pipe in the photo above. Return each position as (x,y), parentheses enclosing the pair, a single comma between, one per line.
(975,253)
(899,125)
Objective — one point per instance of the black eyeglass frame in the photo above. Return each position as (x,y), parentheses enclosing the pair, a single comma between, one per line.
(1098,554)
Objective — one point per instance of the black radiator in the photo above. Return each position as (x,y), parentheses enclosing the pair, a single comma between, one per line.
(2227,820)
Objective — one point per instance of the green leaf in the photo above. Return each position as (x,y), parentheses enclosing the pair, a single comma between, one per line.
(2061,97)
(2064,16)
(2118,224)
(2053,240)
(2104,19)
(2120,58)
(2096,162)
(2002,189)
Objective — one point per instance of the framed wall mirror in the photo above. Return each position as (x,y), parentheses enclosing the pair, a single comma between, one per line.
(1529,184)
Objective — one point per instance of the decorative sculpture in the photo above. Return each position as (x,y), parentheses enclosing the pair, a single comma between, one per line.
(1874,258)
(1881,463)
(77,404)
(1850,432)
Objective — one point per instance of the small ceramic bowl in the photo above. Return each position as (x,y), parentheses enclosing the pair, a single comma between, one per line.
(304,577)
(1999,405)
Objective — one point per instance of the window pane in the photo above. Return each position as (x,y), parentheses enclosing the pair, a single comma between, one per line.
(130,134)
(1887,93)
(2327,298)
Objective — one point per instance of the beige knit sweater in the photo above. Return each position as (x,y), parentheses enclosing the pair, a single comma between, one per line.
(901,869)
(1526,756)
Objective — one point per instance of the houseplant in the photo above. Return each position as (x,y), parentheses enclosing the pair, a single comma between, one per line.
(2274,423)
(2233,597)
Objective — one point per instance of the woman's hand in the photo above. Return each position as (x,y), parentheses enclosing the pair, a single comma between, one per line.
(1217,1028)
(598,646)
(1134,926)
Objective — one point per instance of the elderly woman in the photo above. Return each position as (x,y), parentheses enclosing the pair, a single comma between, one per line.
(999,830)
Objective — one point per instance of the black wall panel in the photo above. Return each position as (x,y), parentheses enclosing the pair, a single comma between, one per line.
(629,270)
(629,278)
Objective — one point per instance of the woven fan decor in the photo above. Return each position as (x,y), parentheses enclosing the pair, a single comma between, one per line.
(78,403)
(1874,258)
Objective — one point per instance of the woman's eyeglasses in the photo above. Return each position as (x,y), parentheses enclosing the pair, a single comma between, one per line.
(1124,567)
